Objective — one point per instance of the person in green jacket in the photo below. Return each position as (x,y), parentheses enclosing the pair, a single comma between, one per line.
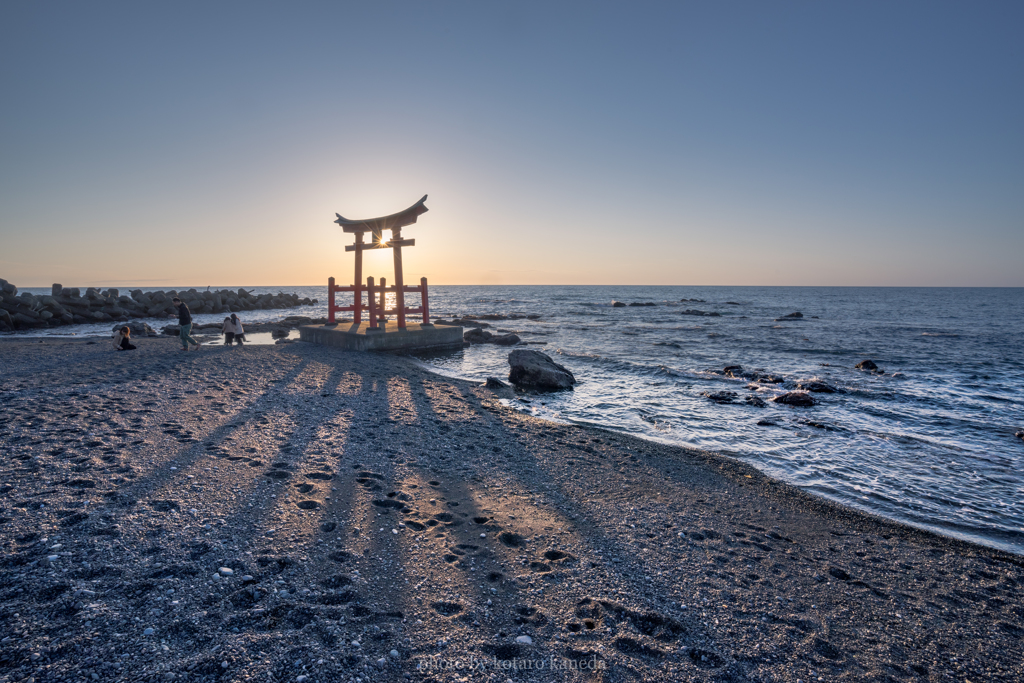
(185,323)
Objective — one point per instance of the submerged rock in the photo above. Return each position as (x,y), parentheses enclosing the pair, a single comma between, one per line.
(618,304)
(866,365)
(721,397)
(819,388)
(796,315)
(735,371)
(637,303)
(693,311)
(506,340)
(795,398)
(754,400)
(495,383)
(535,370)
(477,336)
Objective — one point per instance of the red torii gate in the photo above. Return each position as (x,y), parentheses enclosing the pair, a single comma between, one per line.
(377,311)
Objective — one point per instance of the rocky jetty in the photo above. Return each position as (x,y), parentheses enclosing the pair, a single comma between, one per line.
(69,306)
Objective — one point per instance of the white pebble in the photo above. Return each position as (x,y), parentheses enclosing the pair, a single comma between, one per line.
(394,654)
(216,577)
(483,535)
(355,643)
(300,679)
(58,546)
(226,571)
(525,640)
(394,531)
(382,661)
(53,558)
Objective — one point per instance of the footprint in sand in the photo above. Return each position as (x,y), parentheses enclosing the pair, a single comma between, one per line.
(512,540)
(447,609)
(337,581)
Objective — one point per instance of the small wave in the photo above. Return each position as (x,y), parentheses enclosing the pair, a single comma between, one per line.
(573,354)
(939,334)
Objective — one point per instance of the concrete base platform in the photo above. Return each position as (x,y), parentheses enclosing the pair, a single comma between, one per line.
(358,337)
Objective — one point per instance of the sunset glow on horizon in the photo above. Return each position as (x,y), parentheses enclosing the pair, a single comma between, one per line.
(794,144)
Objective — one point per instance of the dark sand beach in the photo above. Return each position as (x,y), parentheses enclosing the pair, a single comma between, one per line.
(294,513)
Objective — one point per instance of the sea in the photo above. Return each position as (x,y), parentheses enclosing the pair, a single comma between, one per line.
(929,439)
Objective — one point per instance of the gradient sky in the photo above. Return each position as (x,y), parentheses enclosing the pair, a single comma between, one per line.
(734,143)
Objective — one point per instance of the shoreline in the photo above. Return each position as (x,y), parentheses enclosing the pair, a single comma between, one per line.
(777,582)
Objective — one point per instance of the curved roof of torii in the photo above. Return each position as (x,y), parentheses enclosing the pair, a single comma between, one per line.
(392,222)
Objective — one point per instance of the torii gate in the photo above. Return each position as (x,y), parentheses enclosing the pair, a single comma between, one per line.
(377,311)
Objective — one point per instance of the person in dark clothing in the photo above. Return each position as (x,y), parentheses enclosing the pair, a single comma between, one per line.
(185,325)
(123,341)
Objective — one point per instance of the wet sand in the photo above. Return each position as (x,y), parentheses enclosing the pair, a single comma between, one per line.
(278,512)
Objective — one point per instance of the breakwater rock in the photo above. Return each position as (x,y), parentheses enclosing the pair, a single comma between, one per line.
(69,306)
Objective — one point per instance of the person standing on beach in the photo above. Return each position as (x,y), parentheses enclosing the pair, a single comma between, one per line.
(228,330)
(238,329)
(185,323)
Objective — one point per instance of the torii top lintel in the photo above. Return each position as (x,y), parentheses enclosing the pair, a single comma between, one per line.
(395,221)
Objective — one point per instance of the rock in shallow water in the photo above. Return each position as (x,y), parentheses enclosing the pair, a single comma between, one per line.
(506,340)
(535,370)
(477,336)
(866,365)
(819,388)
(795,398)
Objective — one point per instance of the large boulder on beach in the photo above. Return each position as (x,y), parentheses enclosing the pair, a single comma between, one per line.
(535,370)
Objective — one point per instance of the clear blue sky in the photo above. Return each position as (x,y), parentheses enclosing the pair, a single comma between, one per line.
(789,143)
